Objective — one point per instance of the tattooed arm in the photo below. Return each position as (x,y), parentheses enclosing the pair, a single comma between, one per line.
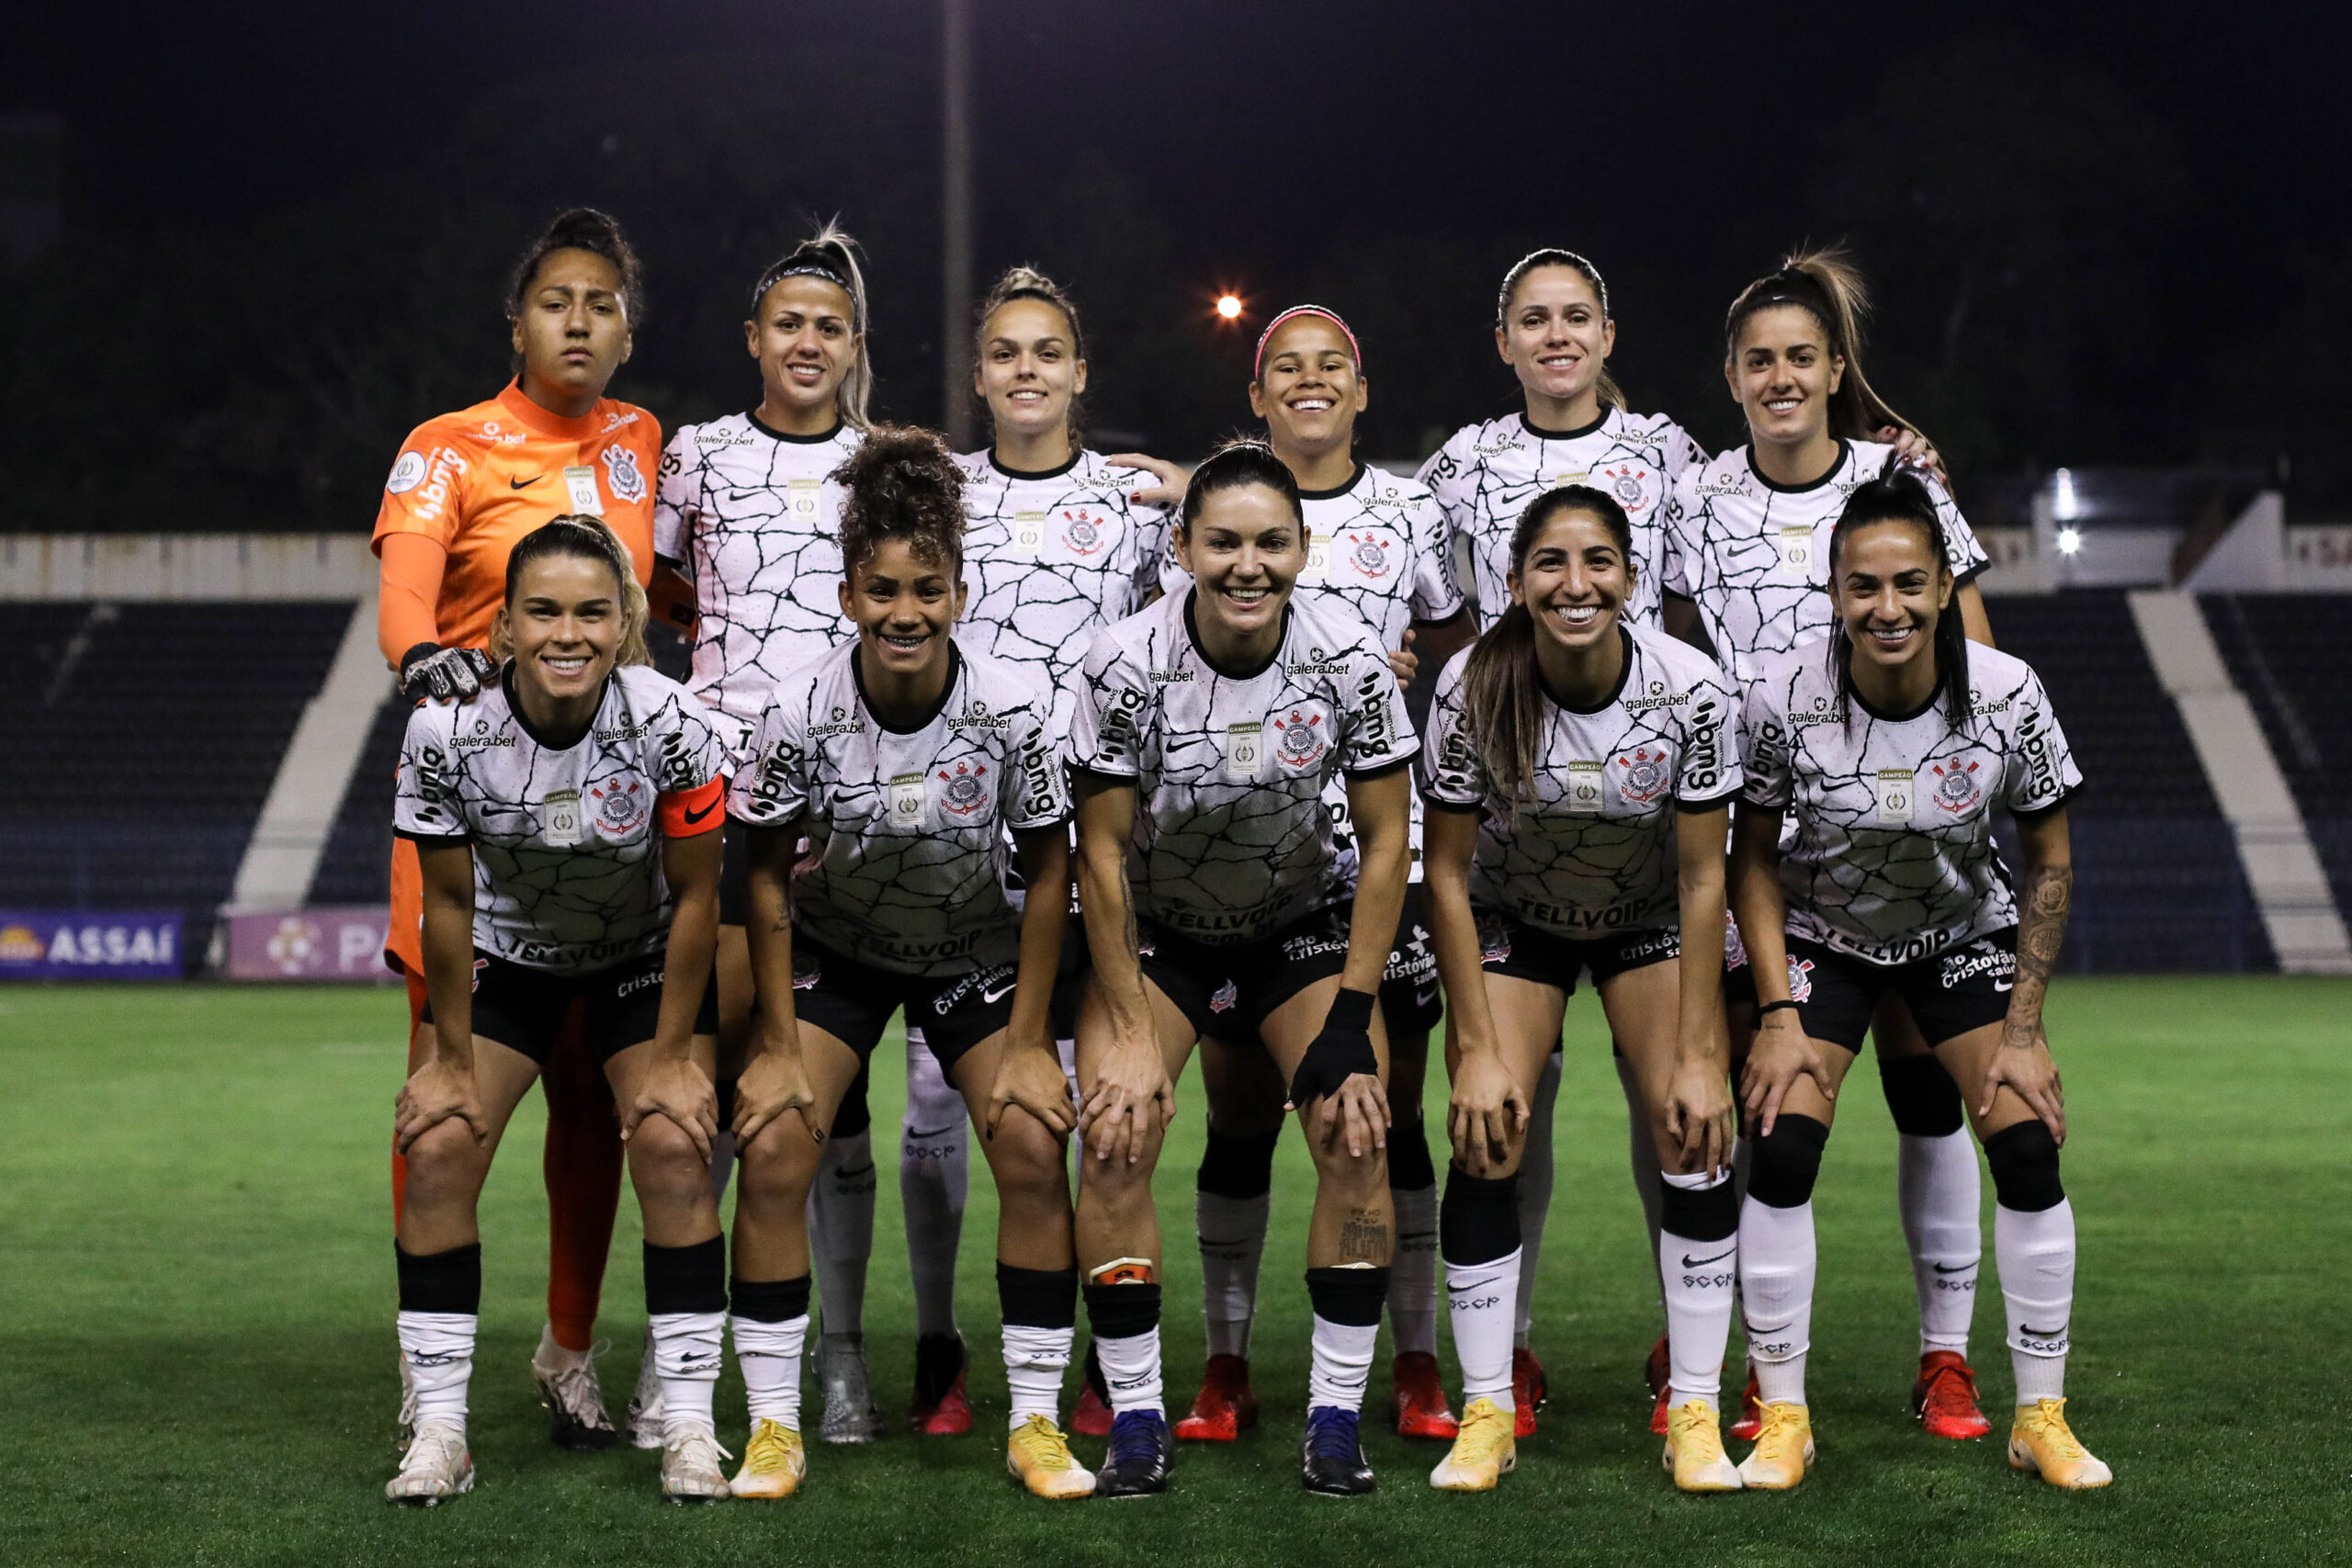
(2023,1062)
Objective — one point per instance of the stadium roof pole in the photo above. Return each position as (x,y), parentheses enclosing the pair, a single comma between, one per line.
(956,219)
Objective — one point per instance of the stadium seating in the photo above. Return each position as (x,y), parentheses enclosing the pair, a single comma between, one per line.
(141,742)
(2287,653)
(356,866)
(2157,882)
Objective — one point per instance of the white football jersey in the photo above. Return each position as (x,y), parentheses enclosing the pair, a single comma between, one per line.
(1050,560)
(567,844)
(907,829)
(1754,556)
(1233,832)
(753,519)
(1594,852)
(1379,545)
(1485,477)
(1893,858)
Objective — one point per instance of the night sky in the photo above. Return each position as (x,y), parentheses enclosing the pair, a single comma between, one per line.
(1283,148)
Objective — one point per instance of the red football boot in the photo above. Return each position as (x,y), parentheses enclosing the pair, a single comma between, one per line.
(1945,1397)
(1092,1417)
(1527,1391)
(1223,1406)
(940,1408)
(1751,1425)
(1418,1398)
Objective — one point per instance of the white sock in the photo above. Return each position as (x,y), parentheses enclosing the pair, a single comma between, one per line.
(1535,1195)
(1131,1371)
(1412,1271)
(770,1355)
(934,1174)
(722,1164)
(1067,1051)
(1698,1277)
(1233,1241)
(841,1229)
(439,1349)
(1942,1192)
(2035,1252)
(1481,1299)
(1034,1360)
(1343,1364)
(1642,1156)
(1776,1270)
(686,1354)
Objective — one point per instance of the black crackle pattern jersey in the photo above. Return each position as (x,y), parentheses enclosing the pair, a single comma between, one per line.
(1379,545)
(1594,851)
(1486,475)
(1051,559)
(752,518)
(1232,830)
(1893,858)
(907,830)
(1754,556)
(566,843)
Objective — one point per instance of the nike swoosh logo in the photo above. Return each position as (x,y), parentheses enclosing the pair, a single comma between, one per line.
(2057,1333)
(1956,1268)
(998,995)
(2003,985)
(694,817)
(1691,1262)
(522,484)
(934,1132)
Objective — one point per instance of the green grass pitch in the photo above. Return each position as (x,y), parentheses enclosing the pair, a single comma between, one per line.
(196,1358)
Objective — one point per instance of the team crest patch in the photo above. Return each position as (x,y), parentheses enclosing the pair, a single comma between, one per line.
(1642,776)
(1625,484)
(805,970)
(1228,996)
(1800,979)
(1958,787)
(620,805)
(1301,739)
(1494,941)
(962,793)
(1367,555)
(1081,533)
(621,474)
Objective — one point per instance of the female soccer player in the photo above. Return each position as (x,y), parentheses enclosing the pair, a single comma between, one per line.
(905,760)
(1207,734)
(1378,544)
(1578,768)
(1890,743)
(1744,551)
(564,818)
(466,486)
(747,520)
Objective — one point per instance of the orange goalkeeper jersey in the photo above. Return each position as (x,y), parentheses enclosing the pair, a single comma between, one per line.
(477,480)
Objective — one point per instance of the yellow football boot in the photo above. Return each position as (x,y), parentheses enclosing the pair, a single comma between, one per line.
(1784,1449)
(1483,1451)
(1037,1455)
(2041,1441)
(774,1462)
(1694,1450)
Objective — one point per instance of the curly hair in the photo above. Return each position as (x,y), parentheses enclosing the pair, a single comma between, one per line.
(902,484)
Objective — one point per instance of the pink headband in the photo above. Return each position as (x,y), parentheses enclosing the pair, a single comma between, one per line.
(1258,364)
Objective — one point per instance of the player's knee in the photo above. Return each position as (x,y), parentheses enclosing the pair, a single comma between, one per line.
(1921,1096)
(780,1162)
(1355,1177)
(1238,1164)
(445,1162)
(1026,1162)
(663,1159)
(1785,1166)
(2025,1168)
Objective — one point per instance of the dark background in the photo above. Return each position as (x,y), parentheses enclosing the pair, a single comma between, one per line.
(2100,235)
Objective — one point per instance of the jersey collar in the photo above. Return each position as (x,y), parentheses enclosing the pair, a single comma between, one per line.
(772,433)
(1540,433)
(1336,491)
(1076,457)
(1844,452)
(540,423)
(946,692)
